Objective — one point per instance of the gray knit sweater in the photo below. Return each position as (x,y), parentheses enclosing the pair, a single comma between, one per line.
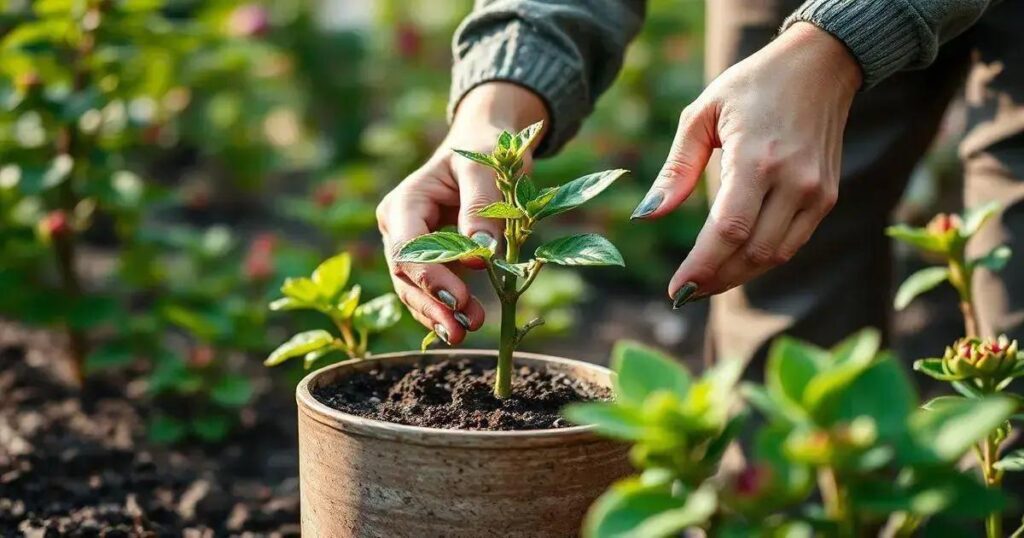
(569,51)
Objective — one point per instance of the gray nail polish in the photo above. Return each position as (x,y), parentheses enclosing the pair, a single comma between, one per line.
(447,298)
(484,239)
(462,319)
(648,205)
(683,295)
(442,333)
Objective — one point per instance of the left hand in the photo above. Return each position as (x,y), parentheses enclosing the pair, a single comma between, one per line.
(779,117)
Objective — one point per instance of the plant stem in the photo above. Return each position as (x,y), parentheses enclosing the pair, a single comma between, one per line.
(960,275)
(836,501)
(507,342)
(990,453)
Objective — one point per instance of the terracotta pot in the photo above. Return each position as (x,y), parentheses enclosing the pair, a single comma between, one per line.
(363,477)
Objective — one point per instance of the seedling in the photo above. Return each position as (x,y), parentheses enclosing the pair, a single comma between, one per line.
(947,236)
(324,291)
(522,206)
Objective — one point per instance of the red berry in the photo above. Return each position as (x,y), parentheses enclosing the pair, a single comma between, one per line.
(55,224)
(408,41)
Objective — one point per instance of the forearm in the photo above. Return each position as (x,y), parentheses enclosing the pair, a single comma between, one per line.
(503,105)
(567,52)
(887,36)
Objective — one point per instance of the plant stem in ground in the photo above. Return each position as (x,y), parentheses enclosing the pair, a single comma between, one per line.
(509,298)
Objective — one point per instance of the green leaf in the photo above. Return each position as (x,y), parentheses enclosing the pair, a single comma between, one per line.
(441,247)
(505,140)
(526,191)
(642,370)
(300,344)
(313,356)
(940,401)
(933,368)
(288,303)
(211,427)
(917,237)
(632,510)
(918,283)
(427,340)
(581,249)
(110,355)
(995,260)
(518,269)
(975,217)
(609,418)
(946,432)
(1012,462)
(165,429)
(882,392)
(849,359)
(578,191)
(481,158)
(791,366)
(948,491)
(527,136)
(540,202)
(301,289)
(378,314)
(332,275)
(501,210)
(347,303)
(232,391)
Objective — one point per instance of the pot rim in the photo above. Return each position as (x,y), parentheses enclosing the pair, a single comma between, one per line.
(378,429)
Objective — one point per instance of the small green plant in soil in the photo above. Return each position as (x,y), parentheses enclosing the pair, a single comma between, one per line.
(976,366)
(325,291)
(522,207)
(843,448)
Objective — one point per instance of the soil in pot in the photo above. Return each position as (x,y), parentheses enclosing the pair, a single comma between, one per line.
(456,394)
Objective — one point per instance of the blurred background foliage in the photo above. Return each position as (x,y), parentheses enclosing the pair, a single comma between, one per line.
(164,165)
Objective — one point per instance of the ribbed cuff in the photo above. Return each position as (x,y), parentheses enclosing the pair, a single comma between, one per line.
(515,55)
(884,36)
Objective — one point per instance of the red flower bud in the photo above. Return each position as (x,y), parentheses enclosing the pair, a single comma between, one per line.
(752,480)
(249,20)
(259,260)
(944,223)
(55,224)
(408,41)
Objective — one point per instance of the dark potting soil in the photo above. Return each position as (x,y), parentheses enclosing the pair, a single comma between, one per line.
(456,394)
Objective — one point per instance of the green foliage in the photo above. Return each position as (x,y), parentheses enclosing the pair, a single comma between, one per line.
(847,416)
(918,283)
(440,247)
(581,249)
(324,291)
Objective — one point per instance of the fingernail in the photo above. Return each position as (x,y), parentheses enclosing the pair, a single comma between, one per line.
(442,333)
(462,319)
(683,295)
(648,205)
(447,298)
(484,239)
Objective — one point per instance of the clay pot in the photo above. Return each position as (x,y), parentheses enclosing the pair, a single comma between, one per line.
(363,477)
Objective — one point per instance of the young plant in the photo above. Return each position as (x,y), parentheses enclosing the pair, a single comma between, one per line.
(324,291)
(522,206)
(976,367)
(947,236)
(841,425)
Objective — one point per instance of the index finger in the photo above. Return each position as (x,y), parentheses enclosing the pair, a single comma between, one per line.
(728,227)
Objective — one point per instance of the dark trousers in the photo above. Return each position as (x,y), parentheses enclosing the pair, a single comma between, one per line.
(840,281)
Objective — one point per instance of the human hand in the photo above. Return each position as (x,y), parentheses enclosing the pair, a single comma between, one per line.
(778,117)
(449,190)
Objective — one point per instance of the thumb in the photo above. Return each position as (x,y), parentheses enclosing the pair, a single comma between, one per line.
(694,141)
(477,190)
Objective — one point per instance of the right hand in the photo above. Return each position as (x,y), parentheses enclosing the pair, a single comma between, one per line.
(449,190)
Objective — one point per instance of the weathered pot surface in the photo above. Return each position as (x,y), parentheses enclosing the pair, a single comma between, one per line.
(368,478)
